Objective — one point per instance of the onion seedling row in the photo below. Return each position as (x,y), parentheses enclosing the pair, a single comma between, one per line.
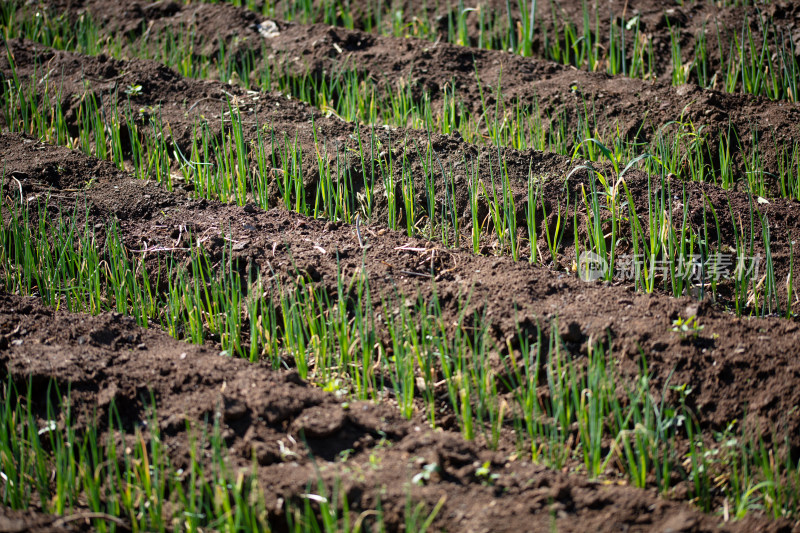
(66,467)
(397,348)
(755,58)
(230,168)
(684,150)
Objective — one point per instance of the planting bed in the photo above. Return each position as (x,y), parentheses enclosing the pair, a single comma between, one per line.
(110,359)
(571,105)
(383,321)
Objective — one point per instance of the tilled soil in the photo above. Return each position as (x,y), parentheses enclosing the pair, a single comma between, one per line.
(107,357)
(733,365)
(21,521)
(634,108)
(182,102)
(655,20)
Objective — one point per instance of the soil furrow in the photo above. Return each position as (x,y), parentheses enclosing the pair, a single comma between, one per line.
(568,98)
(107,358)
(181,104)
(653,20)
(731,364)
(21,521)
(439,21)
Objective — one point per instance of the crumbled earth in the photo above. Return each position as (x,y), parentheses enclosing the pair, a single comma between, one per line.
(733,365)
(108,357)
(21,521)
(635,108)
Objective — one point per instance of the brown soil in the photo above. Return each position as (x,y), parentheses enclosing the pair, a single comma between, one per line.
(181,102)
(635,108)
(733,365)
(654,19)
(21,521)
(108,357)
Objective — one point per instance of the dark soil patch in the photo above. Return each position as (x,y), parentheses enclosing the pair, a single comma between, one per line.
(181,103)
(733,364)
(634,108)
(654,19)
(260,407)
(21,521)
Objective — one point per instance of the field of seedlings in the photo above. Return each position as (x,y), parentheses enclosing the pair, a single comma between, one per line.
(400,265)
